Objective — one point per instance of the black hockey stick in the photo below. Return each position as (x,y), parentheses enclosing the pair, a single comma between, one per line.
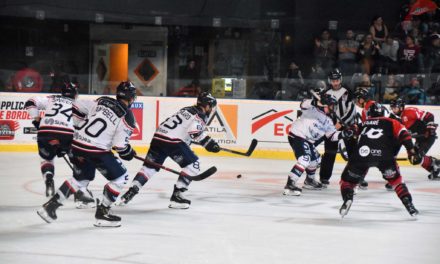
(197,177)
(249,152)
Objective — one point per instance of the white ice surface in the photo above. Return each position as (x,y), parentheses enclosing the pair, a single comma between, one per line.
(231,220)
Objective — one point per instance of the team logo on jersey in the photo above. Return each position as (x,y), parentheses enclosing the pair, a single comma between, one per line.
(364,151)
(137,108)
(8,128)
(222,125)
(272,123)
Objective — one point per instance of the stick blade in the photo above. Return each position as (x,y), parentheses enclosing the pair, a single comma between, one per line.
(204,174)
(252,147)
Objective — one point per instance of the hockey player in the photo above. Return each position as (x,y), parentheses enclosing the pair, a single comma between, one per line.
(172,139)
(55,128)
(100,125)
(421,125)
(313,124)
(344,116)
(362,101)
(376,146)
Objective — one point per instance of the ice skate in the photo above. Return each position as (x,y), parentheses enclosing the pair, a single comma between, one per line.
(363,185)
(410,206)
(325,183)
(104,218)
(84,200)
(50,187)
(291,189)
(312,184)
(177,200)
(128,196)
(48,211)
(389,187)
(343,211)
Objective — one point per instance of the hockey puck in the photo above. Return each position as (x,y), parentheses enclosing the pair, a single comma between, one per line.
(238,176)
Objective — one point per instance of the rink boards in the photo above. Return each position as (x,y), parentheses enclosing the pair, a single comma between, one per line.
(234,125)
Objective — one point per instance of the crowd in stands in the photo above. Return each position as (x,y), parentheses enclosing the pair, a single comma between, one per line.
(403,61)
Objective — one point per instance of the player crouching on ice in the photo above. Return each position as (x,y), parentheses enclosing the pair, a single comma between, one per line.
(172,139)
(314,123)
(100,125)
(377,142)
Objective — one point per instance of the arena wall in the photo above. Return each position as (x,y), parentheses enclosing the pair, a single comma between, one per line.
(234,125)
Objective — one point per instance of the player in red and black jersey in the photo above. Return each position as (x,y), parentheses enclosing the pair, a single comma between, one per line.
(423,128)
(376,146)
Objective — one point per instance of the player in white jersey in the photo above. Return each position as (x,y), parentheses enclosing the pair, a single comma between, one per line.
(100,125)
(313,124)
(55,128)
(172,139)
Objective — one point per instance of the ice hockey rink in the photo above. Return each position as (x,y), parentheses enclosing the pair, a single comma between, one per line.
(231,220)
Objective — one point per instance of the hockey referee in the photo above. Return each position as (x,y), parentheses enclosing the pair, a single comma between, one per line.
(344,116)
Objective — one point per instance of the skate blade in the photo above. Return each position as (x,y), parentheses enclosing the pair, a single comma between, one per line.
(49,193)
(175,205)
(308,187)
(81,205)
(291,193)
(121,203)
(344,212)
(104,223)
(42,213)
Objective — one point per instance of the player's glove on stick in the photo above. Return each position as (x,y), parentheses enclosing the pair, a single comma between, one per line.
(126,153)
(430,129)
(36,123)
(346,133)
(414,157)
(210,145)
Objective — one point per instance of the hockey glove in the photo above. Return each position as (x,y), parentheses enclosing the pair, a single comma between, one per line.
(210,145)
(36,123)
(346,133)
(127,153)
(430,129)
(414,157)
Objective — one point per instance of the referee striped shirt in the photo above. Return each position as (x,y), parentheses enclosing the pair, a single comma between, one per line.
(345,109)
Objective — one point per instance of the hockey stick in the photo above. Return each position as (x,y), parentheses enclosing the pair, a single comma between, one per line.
(197,177)
(251,149)
(249,152)
(67,161)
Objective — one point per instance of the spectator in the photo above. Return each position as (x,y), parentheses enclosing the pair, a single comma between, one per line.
(413,94)
(378,30)
(434,92)
(410,56)
(325,50)
(294,81)
(392,88)
(433,54)
(367,54)
(388,59)
(317,72)
(348,48)
(190,72)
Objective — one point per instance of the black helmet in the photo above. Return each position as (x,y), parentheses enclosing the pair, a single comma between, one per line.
(69,89)
(397,103)
(126,91)
(376,110)
(205,99)
(361,93)
(335,74)
(327,99)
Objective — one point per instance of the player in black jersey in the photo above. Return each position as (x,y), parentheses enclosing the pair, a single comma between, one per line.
(378,139)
